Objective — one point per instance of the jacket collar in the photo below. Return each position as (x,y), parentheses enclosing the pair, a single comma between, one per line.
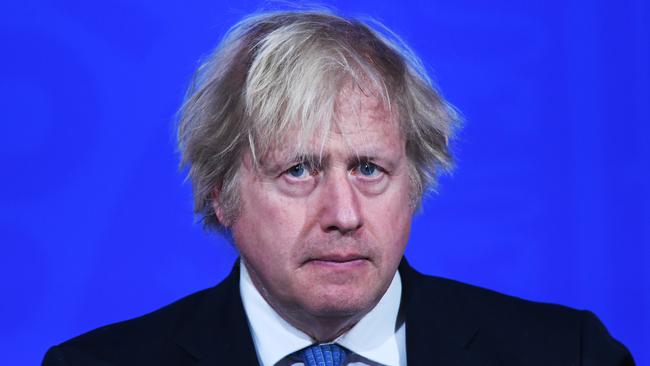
(217,332)
(439,328)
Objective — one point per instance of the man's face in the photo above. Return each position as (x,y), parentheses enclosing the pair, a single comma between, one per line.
(324,240)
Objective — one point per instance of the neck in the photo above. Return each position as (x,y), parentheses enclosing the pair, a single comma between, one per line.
(322,329)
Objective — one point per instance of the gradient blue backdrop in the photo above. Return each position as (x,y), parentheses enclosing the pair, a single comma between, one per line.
(550,200)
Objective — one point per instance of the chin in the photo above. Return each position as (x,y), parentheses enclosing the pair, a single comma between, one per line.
(341,304)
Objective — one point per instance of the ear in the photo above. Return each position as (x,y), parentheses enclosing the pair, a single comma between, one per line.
(216,207)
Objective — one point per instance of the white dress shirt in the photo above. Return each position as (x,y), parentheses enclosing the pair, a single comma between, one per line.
(374,339)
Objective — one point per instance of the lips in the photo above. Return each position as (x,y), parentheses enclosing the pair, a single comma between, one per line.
(337,258)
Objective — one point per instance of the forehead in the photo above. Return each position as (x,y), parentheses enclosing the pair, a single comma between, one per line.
(362,124)
(356,110)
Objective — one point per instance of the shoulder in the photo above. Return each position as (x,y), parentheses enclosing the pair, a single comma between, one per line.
(508,327)
(489,306)
(145,340)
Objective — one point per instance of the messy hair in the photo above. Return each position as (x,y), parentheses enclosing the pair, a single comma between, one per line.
(283,71)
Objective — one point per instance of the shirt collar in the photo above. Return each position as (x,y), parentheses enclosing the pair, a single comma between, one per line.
(374,337)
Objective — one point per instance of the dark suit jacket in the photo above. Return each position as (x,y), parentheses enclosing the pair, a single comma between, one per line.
(447,323)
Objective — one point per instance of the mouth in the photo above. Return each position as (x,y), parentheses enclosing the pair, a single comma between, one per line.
(338,260)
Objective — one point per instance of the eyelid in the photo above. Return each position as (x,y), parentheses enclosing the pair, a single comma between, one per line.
(311,171)
(314,170)
(381,171)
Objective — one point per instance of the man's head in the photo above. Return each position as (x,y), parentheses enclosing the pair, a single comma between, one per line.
(312,138)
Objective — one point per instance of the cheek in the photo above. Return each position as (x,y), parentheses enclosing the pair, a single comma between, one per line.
(389,218)
(269,226)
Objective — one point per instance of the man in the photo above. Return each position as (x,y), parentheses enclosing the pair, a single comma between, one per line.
(310,140)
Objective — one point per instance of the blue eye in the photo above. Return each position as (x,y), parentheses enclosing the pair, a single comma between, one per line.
(298,170)
(368,169)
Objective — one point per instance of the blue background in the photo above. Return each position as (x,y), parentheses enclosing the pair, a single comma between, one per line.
(550,200)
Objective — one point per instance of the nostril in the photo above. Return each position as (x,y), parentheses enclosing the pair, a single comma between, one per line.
(343,229)
(331,228)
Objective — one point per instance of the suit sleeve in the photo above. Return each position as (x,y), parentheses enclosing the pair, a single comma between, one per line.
(598,347)
(54,357)
(63,355)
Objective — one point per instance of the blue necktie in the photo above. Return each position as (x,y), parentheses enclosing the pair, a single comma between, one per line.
(323,355)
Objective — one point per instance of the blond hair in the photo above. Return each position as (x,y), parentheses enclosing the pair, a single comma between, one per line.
(280,71)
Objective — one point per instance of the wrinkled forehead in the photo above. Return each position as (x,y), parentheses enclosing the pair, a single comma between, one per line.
(361,122)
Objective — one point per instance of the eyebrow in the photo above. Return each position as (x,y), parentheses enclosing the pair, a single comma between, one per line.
(317,161)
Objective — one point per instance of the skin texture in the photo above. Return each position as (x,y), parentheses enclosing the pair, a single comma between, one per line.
(322,241)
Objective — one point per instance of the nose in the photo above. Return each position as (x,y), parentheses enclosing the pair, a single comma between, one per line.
(340,206)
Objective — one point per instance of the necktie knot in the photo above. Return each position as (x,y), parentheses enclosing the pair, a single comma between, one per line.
(323,355)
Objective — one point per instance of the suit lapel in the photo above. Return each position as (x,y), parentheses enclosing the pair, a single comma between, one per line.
(438,329)
(218,333)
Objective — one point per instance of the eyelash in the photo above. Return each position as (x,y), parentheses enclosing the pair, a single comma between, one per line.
(375,167)
(313,171)
(304,165)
